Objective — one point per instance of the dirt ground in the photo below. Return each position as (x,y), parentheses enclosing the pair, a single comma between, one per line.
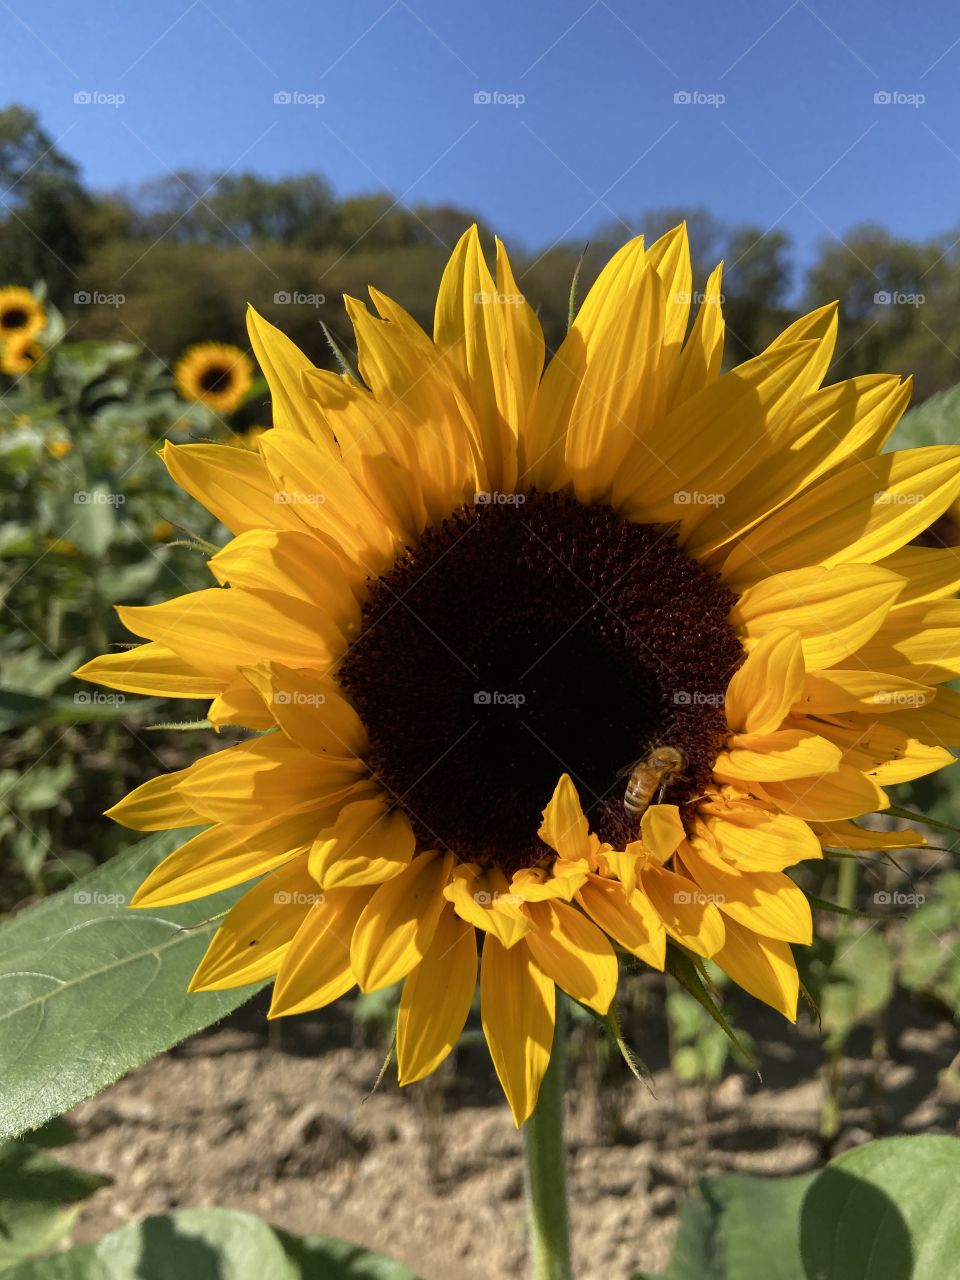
(284,1124)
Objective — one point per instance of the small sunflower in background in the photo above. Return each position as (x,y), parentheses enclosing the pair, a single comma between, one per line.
(559,659)
(21,313)
(59,448)
(215,374)
(19,354)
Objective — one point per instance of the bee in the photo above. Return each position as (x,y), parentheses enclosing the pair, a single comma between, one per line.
(650,775)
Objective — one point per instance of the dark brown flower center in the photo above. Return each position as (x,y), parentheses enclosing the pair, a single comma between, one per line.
(14,318)
(526,638)
(216,378)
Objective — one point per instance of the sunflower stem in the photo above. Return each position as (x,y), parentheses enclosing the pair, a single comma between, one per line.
(546,1166)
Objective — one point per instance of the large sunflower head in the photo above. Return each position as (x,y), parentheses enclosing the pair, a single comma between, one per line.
(19,353)
(215,374)
(21,313)
(546,663)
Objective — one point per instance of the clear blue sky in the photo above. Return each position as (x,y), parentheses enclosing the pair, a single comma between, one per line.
(799,141)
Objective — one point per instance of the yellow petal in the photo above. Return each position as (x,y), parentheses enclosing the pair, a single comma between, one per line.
(632,922)
(235,628)
(252,941)
(564,826)
(931,573)
(842,689)
(919,641)
(937,721)
(844,794)
(757,841)
(397,925)
(685,910)
(150,668)
(224,856)
(661,829)
(774,757)
(702,356)
(860,514)
(239,704)
(368,843)
(517,1009)
(233,484)
(485,899)
(293,563)
(157,805)
(572,951)
(766,686)
(834,611)
(283,365)
(436,999)
(316,968)
(309,708)
(847,835)
(762,966)
(766,902)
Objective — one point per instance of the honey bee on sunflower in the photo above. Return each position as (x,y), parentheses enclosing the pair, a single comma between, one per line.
(463,594)
(215,374)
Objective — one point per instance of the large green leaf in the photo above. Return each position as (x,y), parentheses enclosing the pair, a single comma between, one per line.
(211,1244)
(90,988)
(740,1227)
(38,1200)
(936,421)
(885,1211)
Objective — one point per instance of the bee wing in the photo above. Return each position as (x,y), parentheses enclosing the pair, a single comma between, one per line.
(629,768)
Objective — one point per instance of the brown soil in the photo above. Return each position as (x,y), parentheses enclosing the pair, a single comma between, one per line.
(286,1126)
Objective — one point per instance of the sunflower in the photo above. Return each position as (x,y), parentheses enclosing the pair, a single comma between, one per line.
(216,374)
(19,354)
(20,312)
(470,600)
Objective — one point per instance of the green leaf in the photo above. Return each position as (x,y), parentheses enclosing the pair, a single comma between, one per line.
(211,1244)
(885,1211)
(680,966)
(740,1227)
(936,421)
(92,989)
(38,1196)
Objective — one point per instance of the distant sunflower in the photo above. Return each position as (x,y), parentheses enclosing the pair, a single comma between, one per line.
(215,374)
(19,354)
(472,599)
(20,313)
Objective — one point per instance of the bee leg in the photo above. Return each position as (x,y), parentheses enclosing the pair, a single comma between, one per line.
(661,793)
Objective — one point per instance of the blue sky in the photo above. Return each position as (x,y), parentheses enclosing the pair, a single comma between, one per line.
(786,131)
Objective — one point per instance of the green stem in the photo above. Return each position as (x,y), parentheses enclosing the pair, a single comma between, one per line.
(546,1166)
